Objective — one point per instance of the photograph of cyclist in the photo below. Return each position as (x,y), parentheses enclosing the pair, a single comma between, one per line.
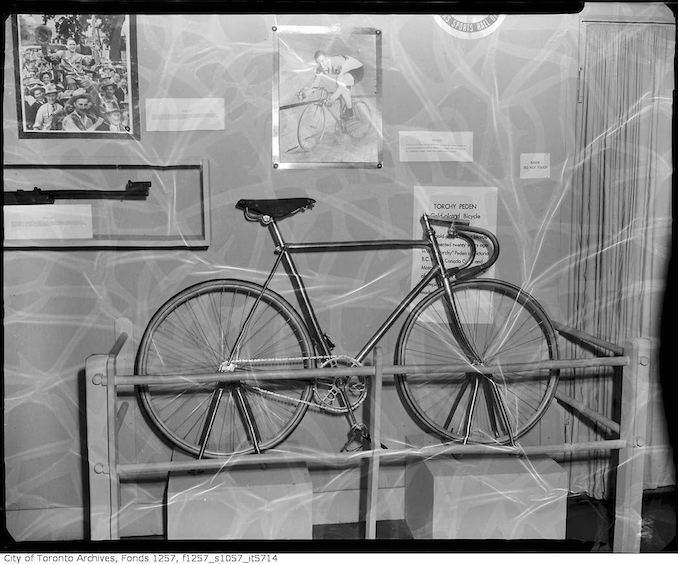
(326,107)
(340,73)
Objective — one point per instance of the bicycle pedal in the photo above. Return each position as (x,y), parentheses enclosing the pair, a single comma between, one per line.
(358,438)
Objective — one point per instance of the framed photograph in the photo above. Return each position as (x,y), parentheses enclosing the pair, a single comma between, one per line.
(327,97)
(76,75)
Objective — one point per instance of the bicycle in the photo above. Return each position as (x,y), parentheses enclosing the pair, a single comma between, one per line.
(312,121)
(230,325)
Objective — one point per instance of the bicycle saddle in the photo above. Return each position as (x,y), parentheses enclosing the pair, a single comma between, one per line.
(278,208)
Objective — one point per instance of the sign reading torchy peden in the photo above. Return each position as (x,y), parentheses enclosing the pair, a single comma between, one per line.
(476,204)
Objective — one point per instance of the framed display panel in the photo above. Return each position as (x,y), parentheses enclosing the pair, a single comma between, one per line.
(175,213)
(319,73)
(76,75)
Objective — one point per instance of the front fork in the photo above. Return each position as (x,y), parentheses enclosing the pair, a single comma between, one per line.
(490,386)
(444,280)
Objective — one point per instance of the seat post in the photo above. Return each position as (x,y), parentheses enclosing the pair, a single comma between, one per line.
(276,235)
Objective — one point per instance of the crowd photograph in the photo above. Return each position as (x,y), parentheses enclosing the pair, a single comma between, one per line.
(75,74)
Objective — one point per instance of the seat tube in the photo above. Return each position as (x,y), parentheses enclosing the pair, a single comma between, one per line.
(299,290)
(455,325)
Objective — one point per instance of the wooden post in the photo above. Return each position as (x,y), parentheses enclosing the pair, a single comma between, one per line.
(120,360)
(103,422)
(97,447)
(112,429)
(375,433)
(629,494)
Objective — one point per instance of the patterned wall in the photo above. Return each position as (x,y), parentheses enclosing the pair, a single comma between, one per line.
(515,89)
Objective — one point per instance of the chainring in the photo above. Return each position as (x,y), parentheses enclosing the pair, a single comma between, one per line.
(327,392)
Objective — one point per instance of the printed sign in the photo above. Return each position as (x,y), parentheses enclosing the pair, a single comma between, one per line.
(477,204)
(436,146)
(185,114)
(535,165)
(48,222)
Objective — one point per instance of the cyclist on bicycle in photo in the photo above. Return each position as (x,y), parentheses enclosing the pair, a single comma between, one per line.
(338,74)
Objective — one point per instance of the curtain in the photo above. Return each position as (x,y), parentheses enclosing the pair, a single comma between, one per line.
(621,221)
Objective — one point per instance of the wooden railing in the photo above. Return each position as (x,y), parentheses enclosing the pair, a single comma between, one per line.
(105,373)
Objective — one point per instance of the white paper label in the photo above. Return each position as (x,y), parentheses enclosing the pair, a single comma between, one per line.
(535,165)
(48,222)
(185,114)
(477,204)
(436,146)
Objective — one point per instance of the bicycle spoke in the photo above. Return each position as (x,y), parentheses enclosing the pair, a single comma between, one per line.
(502,326)
(209,420)
(197,420)
(455,405)
(189,334)
(471,408)
(503,411)
(247,420)
(202,332)
(489,400)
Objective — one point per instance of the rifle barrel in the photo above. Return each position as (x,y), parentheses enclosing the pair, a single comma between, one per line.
(133,191)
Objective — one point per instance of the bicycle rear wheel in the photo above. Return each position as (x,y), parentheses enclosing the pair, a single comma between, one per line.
(193,333)
(358,126)
(503,325)
(311,126)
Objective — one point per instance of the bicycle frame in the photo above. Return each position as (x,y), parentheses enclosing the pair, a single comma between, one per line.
(284,251)
(438,271)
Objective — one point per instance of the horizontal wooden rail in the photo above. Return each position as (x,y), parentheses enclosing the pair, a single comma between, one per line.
(415,369)
(146,470)
(587,338)
(119,343)
(588,412)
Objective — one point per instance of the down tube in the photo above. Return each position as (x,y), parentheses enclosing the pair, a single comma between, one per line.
(402,306)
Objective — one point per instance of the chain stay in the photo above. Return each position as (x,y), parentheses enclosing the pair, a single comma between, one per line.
(261,361)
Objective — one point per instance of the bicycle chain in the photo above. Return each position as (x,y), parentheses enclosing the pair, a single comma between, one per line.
(279,360)
(326,358)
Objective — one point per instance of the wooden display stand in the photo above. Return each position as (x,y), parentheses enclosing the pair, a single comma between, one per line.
(486,497)
(106,372)
(244,503)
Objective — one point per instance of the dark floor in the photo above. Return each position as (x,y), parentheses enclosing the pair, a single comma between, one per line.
(590,525)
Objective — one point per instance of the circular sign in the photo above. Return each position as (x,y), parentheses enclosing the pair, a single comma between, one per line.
(469,26)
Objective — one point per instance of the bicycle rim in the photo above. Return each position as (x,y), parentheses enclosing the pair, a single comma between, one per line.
(504,326)
(311,126)
(193,333)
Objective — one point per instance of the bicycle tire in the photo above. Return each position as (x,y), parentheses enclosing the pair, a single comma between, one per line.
(311,126)
(504,325)
(192,333)
(361,123)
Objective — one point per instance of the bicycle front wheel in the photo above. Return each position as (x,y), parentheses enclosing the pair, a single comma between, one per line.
(503,326)
(194,333)
(360,124)
(311,126)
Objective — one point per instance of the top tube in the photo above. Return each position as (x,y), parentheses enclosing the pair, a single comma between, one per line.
(285,207)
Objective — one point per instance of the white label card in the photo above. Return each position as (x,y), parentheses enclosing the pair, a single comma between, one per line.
(48,222)
(436,146)
(535,165)
(185,114)
(477,204)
